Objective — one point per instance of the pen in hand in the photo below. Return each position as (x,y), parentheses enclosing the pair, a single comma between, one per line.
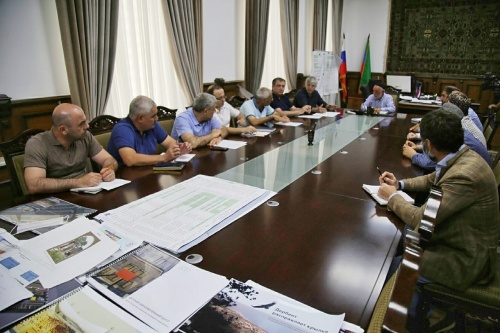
(109,167)
(379,172)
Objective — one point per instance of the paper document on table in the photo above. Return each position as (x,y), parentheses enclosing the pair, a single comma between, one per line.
(346,326)
(178,215)
(50,211)
(82,310)
(59,255)
(154,286)
(312,116)
(290,123)
(373,191)
(330,114)
(253,307)
(231,144)
(108,186)
(184,158)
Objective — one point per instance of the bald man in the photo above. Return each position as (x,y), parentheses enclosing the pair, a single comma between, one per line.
(56,160)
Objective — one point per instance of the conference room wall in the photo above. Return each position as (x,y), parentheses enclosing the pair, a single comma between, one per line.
(32,64)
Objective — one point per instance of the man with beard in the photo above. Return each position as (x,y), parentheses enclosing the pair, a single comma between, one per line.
(56,160)
(462,250)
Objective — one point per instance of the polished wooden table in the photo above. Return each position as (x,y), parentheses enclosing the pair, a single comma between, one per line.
(327,244)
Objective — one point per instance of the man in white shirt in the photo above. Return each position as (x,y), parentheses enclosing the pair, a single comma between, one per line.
(224,112)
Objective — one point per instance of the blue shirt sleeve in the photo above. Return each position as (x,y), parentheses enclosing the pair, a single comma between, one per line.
(181,125)
(423,161)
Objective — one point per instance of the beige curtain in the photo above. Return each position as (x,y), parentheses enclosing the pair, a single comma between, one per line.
(257,15)
(289,26)
(337,7)
(88,33)
(184,27)
(320,20)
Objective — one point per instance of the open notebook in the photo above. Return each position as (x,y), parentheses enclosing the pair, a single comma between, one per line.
(373,190)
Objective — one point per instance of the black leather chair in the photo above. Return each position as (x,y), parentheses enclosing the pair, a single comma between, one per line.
(13,152)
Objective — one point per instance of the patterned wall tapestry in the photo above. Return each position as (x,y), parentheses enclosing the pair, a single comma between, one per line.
(444,37)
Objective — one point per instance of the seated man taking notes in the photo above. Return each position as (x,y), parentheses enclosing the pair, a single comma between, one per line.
(134,139)
(381,102)
(56,160)
(462,250)
(310,96)
(258,112)
(197,125)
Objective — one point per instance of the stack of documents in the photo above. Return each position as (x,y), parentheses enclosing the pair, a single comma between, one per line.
(258,309)
(43,215)
(159,289)
(183,215)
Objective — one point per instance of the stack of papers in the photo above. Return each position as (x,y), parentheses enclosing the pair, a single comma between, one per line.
(154,286)
(108,186)
(373,191)
(258,309)
(183,215)
(52,258)
(44,214)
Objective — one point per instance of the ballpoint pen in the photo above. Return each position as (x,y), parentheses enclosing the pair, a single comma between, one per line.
(379,172)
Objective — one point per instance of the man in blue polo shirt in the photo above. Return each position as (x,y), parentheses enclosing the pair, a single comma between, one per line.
(134,139)
(197,125)
(258,112)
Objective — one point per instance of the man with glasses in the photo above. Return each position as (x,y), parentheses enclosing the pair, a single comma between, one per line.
(224,112)
(197,125)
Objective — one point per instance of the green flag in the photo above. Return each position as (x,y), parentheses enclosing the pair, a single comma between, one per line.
(366,70)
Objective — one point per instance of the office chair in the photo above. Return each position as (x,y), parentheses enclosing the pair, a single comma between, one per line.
(13,152)
(365,91)
(480,300)
(166,118)
(101,127)
(236,101)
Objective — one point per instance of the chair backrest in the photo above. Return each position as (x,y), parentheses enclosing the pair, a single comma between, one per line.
(365,91)
(495,166)
(166,119)
(101,127)
(236,101)
(102,124)
(489,128)
(13,152)
(407,274)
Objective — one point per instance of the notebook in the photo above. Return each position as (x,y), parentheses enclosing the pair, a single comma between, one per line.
(373,191)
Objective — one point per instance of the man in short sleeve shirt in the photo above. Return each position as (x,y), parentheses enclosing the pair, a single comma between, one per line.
(56,160)
(197,124)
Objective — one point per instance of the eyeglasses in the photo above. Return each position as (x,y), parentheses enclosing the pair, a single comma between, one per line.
(220,98)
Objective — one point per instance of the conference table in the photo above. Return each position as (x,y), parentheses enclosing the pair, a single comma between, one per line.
(324,241)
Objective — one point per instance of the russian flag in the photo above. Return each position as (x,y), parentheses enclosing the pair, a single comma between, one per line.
(343,73)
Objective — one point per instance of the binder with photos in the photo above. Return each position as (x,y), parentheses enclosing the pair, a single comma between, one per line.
(139,280)
(82,310)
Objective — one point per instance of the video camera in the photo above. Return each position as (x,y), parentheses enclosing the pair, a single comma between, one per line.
(490,81)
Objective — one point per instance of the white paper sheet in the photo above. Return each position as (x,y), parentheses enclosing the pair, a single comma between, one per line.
(312,116)
(231,144)
(290,123)
(67,251)
(184,158)
(108,186)
(156,287)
